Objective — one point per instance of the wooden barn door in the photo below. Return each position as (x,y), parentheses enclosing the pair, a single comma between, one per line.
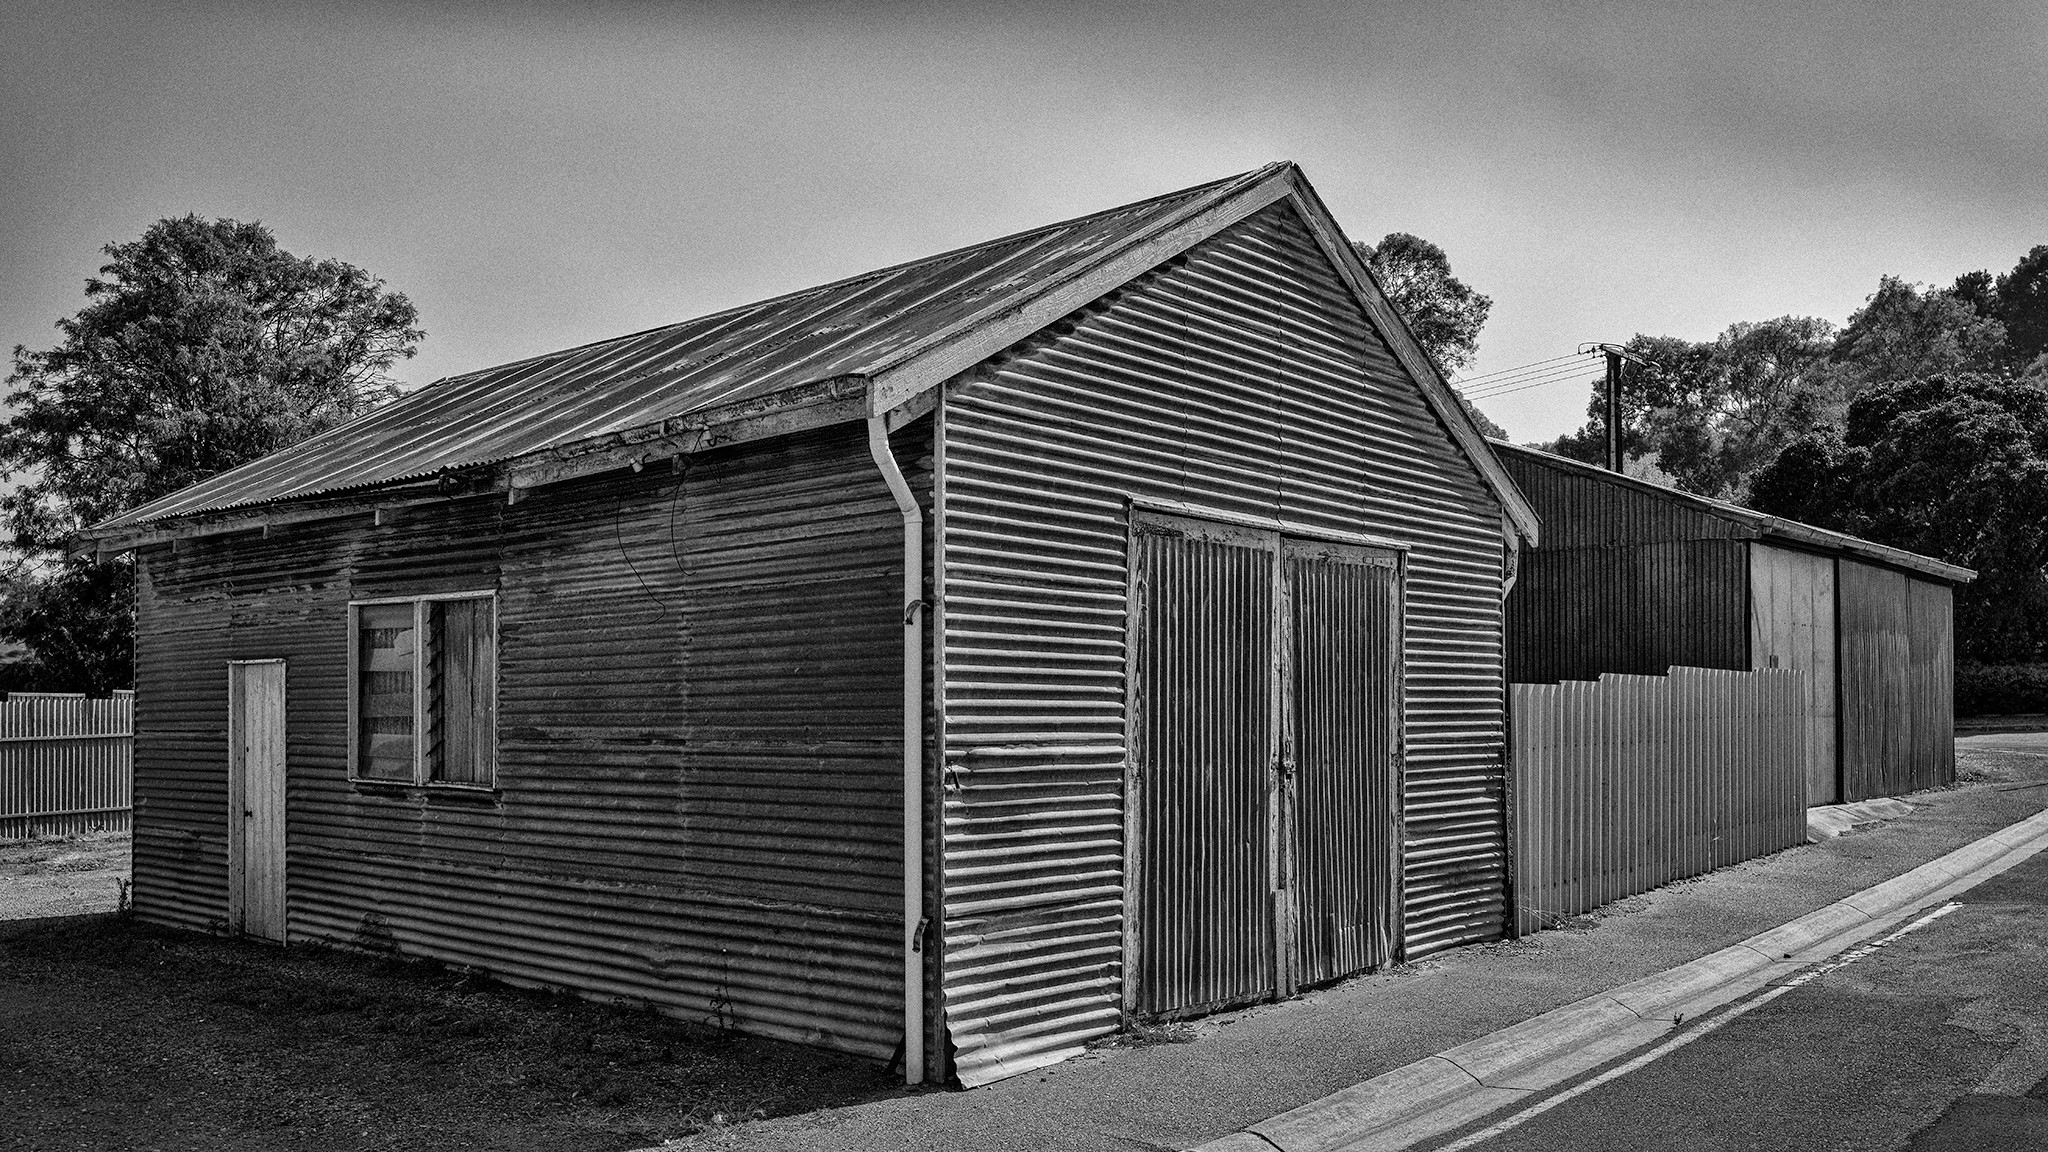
(1264,678)
(256,797)
(1205,744)
(1341,686)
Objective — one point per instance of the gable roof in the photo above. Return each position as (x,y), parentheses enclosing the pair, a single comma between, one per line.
(1758,524)
(876,344)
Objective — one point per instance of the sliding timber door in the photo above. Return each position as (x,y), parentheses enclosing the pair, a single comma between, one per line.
(1264,687)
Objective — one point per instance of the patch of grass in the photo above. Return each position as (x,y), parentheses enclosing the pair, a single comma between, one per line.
(1146,1033)
(432,1054)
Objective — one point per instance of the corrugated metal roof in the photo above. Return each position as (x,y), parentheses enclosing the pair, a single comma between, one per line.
(1824,539)
(854,327)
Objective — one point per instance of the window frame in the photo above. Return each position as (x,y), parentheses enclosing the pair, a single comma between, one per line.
(420,703)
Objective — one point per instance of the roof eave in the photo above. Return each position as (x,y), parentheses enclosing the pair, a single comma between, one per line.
(1761,523)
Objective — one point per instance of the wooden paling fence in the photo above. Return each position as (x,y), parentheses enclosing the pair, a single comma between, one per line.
(1632,782)
(67,764)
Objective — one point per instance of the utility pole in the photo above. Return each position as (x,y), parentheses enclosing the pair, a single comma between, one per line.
(1615,355)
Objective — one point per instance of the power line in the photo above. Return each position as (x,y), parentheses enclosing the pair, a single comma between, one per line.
(1522,388)
(1508,377)
(1517,383)
(1472,380)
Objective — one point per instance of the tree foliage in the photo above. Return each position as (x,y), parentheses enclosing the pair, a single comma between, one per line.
(1709,413)
(1954,466)
(1443,312)
(201,346)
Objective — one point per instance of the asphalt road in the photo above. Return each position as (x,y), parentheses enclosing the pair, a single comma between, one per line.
(1936,1042)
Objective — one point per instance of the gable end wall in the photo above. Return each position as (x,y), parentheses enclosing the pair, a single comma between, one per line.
(1242,377)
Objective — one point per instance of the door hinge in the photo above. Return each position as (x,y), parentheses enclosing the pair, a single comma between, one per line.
(917,935)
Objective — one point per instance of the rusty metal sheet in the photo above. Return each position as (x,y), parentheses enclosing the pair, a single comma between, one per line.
(847,329)
(1241,378)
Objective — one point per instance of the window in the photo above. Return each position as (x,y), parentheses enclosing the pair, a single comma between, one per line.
(424,704)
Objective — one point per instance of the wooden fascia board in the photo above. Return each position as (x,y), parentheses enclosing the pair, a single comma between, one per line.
(1436,391)
(1774,529)
(109,542)
(945,354)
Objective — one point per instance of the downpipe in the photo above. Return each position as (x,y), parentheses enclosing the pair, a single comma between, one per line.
(913,749)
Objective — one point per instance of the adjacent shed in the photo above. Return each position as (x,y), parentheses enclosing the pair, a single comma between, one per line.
(1634,577)
(953,661)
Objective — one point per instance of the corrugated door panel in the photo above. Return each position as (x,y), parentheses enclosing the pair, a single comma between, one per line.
(1343,688)
(1240,378)
(1876,666)
(1202,744)
(1792,625)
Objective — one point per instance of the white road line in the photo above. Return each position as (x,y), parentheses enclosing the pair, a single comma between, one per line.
(1674,1044)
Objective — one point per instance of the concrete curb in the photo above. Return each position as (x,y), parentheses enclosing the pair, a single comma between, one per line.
(1439,1093)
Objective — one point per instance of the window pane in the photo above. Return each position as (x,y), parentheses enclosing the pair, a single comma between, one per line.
(384,700)
(461,663)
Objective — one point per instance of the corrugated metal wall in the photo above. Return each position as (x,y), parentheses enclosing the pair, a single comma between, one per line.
(1897,666)
(1792,625)
(1578,613)
(1625,581)
(1631,782)
(698,761)
(1242,378)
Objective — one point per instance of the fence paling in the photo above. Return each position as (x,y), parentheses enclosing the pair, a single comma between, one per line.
(66,764)
(1635,781)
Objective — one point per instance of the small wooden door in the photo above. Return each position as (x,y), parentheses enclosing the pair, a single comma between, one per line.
(256,798)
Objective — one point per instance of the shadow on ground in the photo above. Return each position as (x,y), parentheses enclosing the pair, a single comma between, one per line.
(117,1034)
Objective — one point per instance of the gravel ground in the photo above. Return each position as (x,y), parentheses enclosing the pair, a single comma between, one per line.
(68,876)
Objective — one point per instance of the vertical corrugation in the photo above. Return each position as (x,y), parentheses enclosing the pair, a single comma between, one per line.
(1896,665)
(1207,936)
(66,764)
(1641,780)
(1242,378)
(1343,601)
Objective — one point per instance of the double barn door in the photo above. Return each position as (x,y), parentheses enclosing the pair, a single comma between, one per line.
(1265,681)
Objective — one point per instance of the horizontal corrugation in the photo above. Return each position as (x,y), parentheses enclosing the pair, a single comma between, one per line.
(847,329)
(1241,377)
(698,798)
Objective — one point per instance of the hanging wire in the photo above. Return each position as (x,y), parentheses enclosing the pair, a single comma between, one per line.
(1534,374)
(1525,382)
(1481,379)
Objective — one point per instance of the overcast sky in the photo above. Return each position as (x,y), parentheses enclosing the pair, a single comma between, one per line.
(536,176)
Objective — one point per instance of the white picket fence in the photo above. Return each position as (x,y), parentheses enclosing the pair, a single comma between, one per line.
(1632,782)
(67,764)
